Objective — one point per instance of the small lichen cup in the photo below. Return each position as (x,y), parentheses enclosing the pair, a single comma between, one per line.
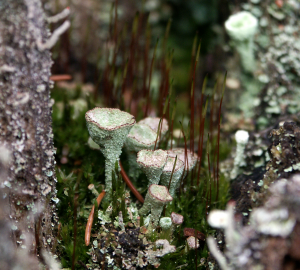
(165,223)
(188,157)
(152,163)
(156,123)
(140,137)
(156,198)
(108,128)
(241,27)
(176,176)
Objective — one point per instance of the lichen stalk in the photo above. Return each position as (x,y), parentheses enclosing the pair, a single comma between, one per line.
(109,129)
(156,198)
(241,27)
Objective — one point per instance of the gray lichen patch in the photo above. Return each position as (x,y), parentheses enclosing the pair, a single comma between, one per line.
(120,245)
(149,158)
(25,120)
(272,227)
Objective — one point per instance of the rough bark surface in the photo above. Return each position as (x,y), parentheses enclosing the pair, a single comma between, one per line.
(25,124)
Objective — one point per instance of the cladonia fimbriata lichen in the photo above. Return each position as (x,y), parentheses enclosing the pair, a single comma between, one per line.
(241,27)
(218,218)
(156,198)
(140,137)
(109,128)
(186,156)
(156,124)
(176,176)
(165,223)
(152,163)
(241,137)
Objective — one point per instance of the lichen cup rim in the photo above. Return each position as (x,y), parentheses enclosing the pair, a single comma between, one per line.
(247,24)
(192,157)
(137,139)
(160,162)
(153,121)
(160,193)
(130,121)
(170,165)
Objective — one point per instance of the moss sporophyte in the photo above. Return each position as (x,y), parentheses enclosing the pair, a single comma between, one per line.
(109,128)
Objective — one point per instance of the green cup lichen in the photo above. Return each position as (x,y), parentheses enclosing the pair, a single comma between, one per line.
(108,128)
(165,223)
(186,156)
(152,163)
(241,27)
(156,198)
(154,122)
(140,137)
(167,173)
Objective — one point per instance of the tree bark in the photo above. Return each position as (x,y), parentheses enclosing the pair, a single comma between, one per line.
(25,124)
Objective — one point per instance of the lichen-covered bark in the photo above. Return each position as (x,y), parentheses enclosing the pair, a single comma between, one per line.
(25,123)
(10,257)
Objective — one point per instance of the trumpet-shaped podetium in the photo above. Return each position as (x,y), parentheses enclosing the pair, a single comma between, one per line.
(165,223)
(189,158)
(108,128)
(242,138)
(156,123)
(156,198)
(152,163)
(241,27)
(176,176)
(140,137)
